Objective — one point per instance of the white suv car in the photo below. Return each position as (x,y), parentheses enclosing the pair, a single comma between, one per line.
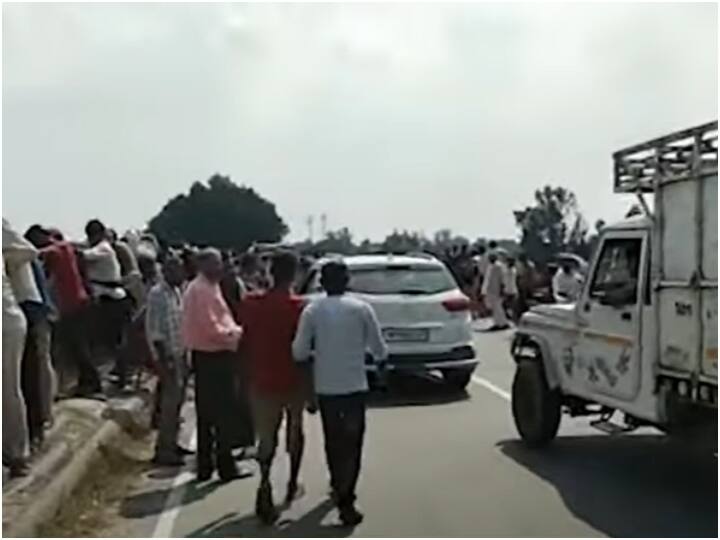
(424,316)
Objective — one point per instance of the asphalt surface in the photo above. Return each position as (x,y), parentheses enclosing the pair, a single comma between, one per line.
(441,464)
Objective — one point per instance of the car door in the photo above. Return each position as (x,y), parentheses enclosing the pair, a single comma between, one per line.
(609,343)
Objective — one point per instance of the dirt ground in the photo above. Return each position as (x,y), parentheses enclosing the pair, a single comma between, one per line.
(93,507)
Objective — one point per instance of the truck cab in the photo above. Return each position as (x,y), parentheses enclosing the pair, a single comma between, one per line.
(641,339)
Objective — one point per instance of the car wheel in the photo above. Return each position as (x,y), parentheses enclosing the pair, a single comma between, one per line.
(457,379)
(535,407)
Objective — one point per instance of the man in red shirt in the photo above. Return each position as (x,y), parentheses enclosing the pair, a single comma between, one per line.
(269,320)
(70,296)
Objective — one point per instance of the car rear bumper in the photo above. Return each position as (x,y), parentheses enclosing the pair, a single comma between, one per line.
(457,358)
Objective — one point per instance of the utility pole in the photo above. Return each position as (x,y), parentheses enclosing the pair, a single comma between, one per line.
(323,225)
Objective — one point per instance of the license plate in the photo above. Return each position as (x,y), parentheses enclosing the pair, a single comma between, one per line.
(406,334)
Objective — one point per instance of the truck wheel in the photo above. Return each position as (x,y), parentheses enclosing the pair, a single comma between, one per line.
(457,379)
(535,407)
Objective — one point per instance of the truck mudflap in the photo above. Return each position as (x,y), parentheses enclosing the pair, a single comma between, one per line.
(532,347)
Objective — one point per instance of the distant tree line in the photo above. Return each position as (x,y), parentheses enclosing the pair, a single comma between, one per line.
(222,214)
(341,241)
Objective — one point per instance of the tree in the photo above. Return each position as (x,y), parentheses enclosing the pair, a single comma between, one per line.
(367,246)
(552,225)
(339,241)
(405,241)
(221,214)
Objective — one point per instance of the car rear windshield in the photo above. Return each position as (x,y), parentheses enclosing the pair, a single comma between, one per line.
(401,280)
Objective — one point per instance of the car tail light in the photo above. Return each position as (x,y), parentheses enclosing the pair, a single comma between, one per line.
(457,304)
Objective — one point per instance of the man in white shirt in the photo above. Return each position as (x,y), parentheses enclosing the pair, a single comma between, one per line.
(492,292)
(566,284)
(339,331)
(103,267)
(110,300)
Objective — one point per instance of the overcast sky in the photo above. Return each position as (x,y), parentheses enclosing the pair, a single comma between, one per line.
(381,116)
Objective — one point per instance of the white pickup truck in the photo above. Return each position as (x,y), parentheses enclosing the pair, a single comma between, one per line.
(641,339)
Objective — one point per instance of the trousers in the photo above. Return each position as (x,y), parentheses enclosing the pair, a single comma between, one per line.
(495,304)
(214,403)
(15,442)
(38,380)
(71,333)
(343,421)
(172,395)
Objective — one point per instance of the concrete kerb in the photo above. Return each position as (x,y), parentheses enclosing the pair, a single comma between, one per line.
(83,428)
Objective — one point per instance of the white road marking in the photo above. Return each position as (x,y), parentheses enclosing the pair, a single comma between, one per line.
(173,504)
(490,386)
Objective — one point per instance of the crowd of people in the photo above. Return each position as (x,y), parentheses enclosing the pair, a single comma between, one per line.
(504,286)
(292,358)
(257,353)
(64,306)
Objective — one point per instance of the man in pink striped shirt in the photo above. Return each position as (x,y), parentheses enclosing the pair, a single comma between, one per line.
(212,335)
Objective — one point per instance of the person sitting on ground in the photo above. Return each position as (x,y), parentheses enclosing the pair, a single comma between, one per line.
(162,326)
(269,320)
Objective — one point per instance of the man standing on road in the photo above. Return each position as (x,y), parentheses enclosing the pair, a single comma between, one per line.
(338,331)
(492,292)
(162,323)
(269,321)
(212,335)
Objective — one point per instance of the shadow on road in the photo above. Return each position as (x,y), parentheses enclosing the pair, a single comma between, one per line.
(150,503)
(414,390)
(309,525)
(638,485)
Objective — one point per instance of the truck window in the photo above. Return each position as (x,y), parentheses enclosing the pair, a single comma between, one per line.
(617,271)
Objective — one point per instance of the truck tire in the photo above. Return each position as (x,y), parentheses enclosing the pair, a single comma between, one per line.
(457,379)
(535,407)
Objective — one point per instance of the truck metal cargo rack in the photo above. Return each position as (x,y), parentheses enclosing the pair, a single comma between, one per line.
(680,171)
(679,156)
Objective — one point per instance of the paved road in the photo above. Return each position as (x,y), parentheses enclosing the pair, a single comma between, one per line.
(439,465)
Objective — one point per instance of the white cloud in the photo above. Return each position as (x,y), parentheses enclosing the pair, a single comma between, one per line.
(414,116)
